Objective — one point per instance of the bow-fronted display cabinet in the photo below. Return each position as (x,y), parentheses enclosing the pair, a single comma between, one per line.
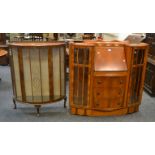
(38,72)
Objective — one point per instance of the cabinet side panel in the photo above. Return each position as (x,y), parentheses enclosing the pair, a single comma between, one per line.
(62,63)
(16,72)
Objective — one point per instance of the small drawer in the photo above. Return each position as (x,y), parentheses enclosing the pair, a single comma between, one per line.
(109,81)
(102,92)
(109,103)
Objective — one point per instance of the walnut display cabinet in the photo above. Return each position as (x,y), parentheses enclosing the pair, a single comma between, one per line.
(106,78)
(38,72)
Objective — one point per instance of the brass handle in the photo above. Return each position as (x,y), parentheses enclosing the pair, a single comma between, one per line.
(97,104)
(118,103)
(121,81)
(120,92)
(99,82)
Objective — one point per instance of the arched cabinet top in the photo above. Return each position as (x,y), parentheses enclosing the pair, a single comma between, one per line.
(36,44)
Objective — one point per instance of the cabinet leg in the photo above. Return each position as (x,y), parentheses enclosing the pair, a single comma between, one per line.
(65,100)
(38,110)
(14,102)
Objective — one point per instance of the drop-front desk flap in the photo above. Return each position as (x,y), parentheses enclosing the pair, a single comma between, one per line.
(110,59)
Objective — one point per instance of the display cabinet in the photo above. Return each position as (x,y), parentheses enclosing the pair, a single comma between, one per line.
(38,72)
(150,69)
(106,78)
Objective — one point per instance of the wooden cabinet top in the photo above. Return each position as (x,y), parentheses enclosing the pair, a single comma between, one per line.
(108,43)
(138,45)
(36,44)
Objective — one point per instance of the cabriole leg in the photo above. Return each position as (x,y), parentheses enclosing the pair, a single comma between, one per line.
(65,100)
(38,110)
(14,102)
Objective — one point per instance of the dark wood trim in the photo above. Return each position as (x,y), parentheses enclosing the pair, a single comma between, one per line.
(60,68)
(31,72)
(21,72)
(65,67)
(50,71)
(12,73)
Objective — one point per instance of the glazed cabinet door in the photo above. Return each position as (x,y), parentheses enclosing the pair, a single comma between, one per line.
(80,75)
(137,75)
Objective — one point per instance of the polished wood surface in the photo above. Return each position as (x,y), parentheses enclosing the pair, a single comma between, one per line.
(109,63)
(106,78)
(36,44)
(3,53)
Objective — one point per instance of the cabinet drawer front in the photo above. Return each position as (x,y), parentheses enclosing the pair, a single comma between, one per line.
(100,93)
(109,81)
(109,103)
